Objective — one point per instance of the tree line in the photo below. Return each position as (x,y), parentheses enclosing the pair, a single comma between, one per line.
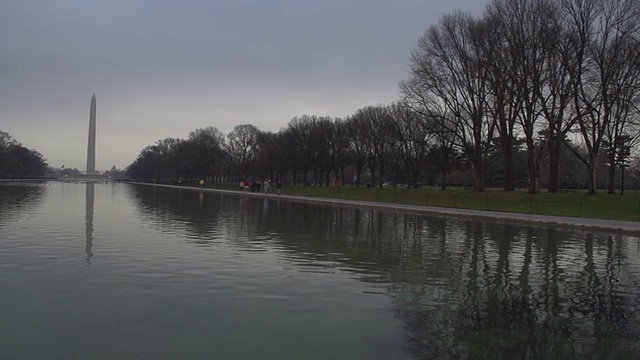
(515,98)
(17,161)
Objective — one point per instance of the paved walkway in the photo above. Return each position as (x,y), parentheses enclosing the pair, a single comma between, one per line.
(599,225)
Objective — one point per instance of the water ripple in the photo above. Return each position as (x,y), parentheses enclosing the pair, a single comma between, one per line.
(184,269)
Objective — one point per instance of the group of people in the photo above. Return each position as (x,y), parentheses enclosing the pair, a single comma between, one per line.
(255,186)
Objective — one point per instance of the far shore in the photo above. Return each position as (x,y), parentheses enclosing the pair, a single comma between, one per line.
(580,223)
(589,224)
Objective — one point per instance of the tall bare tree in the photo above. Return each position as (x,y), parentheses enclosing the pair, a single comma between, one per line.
(504,98)
(339,148)
(300,130)
(170,164)
(207,146)
(270,154)
(322,129)
(603,30)
(374,124)
(557,84)
(449,67)
(623,130)
(242,148)
(523,31)
(412,134)
(357,146)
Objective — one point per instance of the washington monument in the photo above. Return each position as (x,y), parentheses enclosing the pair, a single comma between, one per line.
(91,148)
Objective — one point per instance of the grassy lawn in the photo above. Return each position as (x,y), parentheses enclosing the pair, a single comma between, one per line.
(576,204)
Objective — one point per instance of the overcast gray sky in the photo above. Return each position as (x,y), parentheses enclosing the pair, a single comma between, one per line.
(164,68)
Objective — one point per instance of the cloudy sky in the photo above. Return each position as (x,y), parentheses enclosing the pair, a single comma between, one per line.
(165,68)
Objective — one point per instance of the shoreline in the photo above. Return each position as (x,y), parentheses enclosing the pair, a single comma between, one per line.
(588,224)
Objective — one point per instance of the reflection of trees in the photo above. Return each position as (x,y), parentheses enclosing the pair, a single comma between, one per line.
(177,211)
(521,293)
(465,289)
(470,289)
(16,198)
(608,319)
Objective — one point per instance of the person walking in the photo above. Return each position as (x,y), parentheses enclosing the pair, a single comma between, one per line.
(266,186)
(279,186)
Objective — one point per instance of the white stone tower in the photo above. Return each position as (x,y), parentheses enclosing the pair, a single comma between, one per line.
(91,149)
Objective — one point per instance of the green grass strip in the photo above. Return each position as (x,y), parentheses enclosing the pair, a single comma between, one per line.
(572,203)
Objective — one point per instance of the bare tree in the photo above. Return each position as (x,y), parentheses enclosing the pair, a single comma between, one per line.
(442,147)
(322,130)
(242,148)
(504,96)
(339,148)
(170,164)
(374,125)
(449,68)
(6,141)
(623,130)
(269,154)
(207,146)
(289,160)
(356,133)
(555,91)
(521,32)
(148,165)
(603,30)
(168,159)
(411,134)
(300,131)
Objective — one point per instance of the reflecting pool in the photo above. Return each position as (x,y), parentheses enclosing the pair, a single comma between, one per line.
(123,271)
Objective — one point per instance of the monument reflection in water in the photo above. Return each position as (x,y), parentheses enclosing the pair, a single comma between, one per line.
(190,274)
(89,199)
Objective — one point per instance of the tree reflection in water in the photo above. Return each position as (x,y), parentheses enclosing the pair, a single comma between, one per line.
(465,289)
(18,197)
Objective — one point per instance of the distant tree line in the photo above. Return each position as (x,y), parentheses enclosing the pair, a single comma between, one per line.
(535,93)
(16,161)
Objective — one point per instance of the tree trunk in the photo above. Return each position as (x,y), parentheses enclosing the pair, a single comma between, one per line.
(507,150)
(534,178)
(554,164)
(611,187)
(478,170)
(479,187)
(445,167)
(593,186)
(509,177)
(410,173)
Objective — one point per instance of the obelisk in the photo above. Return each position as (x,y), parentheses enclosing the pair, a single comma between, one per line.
(91,149)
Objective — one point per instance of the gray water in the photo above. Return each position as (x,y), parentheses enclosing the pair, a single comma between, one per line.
(119,271)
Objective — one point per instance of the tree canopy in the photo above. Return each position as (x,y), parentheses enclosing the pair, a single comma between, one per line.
(17,161)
